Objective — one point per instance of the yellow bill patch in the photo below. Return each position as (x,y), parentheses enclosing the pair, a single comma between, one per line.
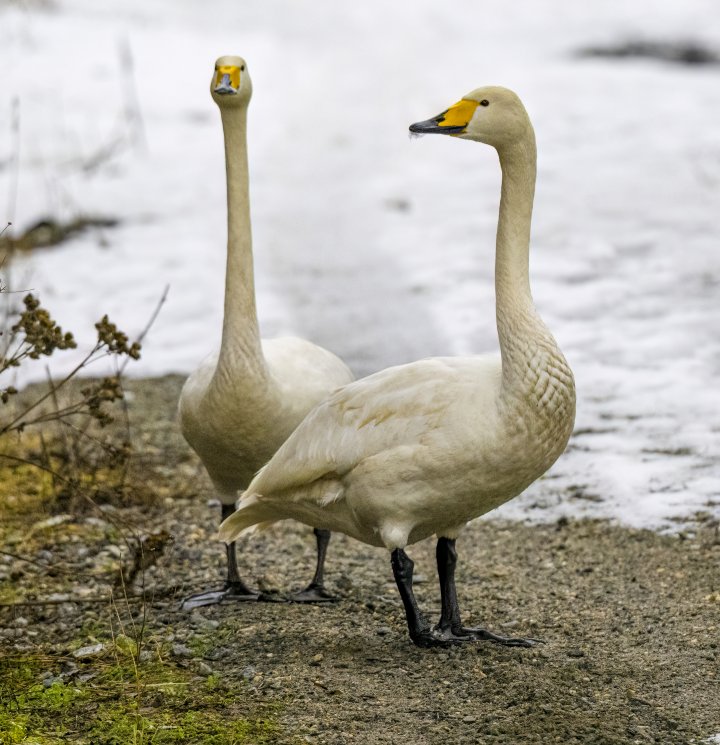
(458,115)
(232,71)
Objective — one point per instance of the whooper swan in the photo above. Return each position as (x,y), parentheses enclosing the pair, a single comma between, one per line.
(241,404)
(421,449)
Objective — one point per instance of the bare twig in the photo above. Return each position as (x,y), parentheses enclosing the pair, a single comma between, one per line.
(28,462)
(133,112)
(15,133)
(84,434)
(135,655)
(48,461)
(80,601)
(66,444)
(66,569)
(86,360)
(153,317)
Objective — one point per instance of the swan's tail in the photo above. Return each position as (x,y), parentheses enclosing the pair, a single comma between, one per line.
(251,513)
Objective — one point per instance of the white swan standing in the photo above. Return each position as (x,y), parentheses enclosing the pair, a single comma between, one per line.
(421,449)
(241,404)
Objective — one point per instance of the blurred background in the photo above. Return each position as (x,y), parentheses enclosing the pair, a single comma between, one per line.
(378,247)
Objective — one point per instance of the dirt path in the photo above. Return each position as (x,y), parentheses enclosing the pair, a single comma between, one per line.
(630,620)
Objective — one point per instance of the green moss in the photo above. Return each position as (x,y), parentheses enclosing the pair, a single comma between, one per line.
(115,726)
(124,704)
(13,729)
(9,592)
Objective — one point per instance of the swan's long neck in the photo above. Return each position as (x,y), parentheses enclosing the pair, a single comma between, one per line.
(514,302)
(531,359)
(241,350)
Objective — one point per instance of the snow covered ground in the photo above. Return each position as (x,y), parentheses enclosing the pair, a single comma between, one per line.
(379,247)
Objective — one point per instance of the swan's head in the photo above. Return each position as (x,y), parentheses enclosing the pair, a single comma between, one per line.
(230,84)
(492,115)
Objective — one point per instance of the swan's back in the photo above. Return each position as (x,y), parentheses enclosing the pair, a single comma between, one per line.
(303,374)
(397,406)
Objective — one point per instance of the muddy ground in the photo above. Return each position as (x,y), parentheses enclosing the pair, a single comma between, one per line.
(630,621)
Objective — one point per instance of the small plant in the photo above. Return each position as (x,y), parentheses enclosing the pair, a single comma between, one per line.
(34,335)
(62,429)
(66,444)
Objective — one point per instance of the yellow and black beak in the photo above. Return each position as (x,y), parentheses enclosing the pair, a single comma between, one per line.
(227,80)
(452,121)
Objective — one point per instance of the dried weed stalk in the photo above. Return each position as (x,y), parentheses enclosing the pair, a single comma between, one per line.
(71,440)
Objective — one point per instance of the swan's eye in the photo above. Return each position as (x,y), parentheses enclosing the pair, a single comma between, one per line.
(484,102)
(242,67)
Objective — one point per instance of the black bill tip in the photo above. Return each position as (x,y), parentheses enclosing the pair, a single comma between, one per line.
(421,128)
(432,126)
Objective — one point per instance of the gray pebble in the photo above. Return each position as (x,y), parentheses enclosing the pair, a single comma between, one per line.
(201,667)
(92,650)
(180,650)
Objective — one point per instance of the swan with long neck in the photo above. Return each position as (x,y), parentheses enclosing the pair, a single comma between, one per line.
(421,449)
(241,404)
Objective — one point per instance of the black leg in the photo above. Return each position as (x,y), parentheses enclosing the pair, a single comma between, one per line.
(446,556)
(234,588)
(234,584)
(450,627)
(418,625)
(315,592)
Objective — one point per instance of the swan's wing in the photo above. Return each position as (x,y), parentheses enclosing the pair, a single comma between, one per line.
(397,406)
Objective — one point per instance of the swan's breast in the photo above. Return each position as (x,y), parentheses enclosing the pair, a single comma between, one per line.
(539,408)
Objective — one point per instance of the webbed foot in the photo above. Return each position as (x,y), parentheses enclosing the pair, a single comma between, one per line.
(428,638)
(230,593)
(313,593)
(463,634)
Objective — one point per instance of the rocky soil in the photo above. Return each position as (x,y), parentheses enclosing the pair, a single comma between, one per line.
(630,621)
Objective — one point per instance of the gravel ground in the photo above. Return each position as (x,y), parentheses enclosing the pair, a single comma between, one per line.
(630,618)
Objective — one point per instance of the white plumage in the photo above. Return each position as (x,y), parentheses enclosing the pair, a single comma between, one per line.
(421,449)
(240,405)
